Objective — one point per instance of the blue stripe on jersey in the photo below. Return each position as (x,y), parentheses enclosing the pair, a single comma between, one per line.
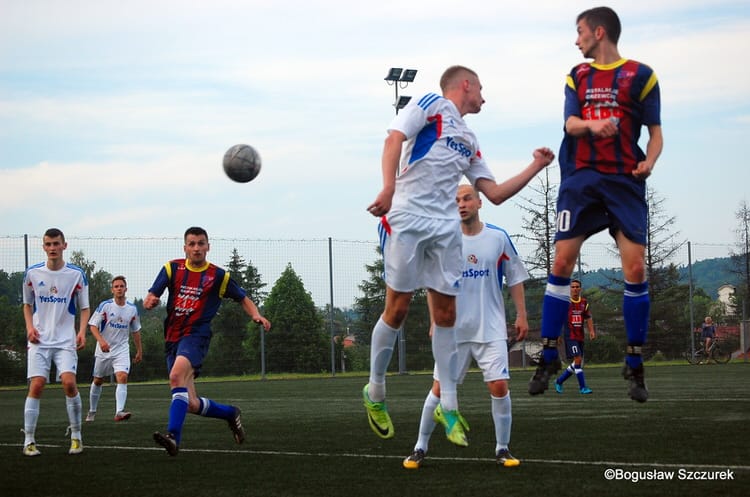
(73,266)
(498,228)
(105,302)
(428,100)
(424,141)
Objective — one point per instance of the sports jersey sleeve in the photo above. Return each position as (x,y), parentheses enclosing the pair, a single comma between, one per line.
(82,290)
(572,106)
(97,316)
(161,281)
(651,99)
(514,270)
(28,290)
(478,169)
(233,290)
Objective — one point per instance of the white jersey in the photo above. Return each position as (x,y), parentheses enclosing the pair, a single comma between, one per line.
(480,308)
(439,149)
(53,296)
(115,323)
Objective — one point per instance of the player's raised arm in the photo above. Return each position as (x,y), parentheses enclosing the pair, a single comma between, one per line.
(497,193)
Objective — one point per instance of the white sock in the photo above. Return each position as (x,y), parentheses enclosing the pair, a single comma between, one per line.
(381,349)
(444,352)
(74,407)
(94,394)
(427,422)
(121,395)
(501,416)
(30,417)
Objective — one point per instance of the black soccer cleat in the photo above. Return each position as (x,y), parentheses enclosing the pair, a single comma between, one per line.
(235,424)
(540,381)
(636,384)
(167,441)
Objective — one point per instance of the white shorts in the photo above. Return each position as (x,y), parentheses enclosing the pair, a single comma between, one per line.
(40,359)
(105,366)
(421,252)
(491,358)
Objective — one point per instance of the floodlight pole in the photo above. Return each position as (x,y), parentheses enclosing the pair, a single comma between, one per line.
(400,78)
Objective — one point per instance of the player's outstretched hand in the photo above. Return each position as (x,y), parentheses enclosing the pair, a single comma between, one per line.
(544,156)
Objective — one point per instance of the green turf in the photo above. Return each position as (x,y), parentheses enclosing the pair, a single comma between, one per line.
(310,437)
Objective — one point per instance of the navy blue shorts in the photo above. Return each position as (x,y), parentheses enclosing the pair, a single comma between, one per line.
(573,348)
(193,347)
(589,201)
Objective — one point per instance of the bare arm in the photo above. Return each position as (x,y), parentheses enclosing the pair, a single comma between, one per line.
(252,311)
(138,347)
(653,151)
(32,334)
(518,296)
(497,193)
(389,165)
(99,338)
(84,324)
(590,326)
(602,128)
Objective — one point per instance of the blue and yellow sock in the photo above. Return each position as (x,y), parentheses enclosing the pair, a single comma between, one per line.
(636,308)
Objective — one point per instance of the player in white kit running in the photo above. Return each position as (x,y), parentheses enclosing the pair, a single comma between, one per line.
(52,291)
(112,324)
(428,149)
(481,332)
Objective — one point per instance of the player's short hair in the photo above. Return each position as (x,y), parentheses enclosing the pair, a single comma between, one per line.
(195,230)
(54,233)
(119,278)
(576,281)
(451,76)
(604,17)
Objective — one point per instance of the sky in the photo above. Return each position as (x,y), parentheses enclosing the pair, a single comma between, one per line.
(115,116)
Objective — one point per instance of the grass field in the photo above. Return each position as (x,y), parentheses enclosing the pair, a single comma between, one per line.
(309,437)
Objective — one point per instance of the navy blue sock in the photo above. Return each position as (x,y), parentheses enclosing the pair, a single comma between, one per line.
(177,411)
(554,312)
(564,376)
(636,308)
(579,376)
(212,409)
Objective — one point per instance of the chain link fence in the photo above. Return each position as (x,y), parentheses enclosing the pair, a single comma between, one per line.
(331,270)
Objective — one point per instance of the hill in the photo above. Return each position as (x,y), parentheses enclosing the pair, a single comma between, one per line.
(708,274)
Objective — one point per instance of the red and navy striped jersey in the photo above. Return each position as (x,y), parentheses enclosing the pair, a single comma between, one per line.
(194,296)
(578,313)
(627,92)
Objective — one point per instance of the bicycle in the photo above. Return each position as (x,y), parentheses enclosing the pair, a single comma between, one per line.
(715,352)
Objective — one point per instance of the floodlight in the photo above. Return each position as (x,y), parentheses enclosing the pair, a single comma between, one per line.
(402,101)
(394,74)
(408,75)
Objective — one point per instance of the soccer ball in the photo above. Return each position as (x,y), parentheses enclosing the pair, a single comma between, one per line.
(241,163)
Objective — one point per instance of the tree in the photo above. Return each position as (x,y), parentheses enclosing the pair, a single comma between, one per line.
(100,281)
(661,242)
(741,259)
(539,222)
(12,326)
(297,341)
(231,325)
(370,306)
